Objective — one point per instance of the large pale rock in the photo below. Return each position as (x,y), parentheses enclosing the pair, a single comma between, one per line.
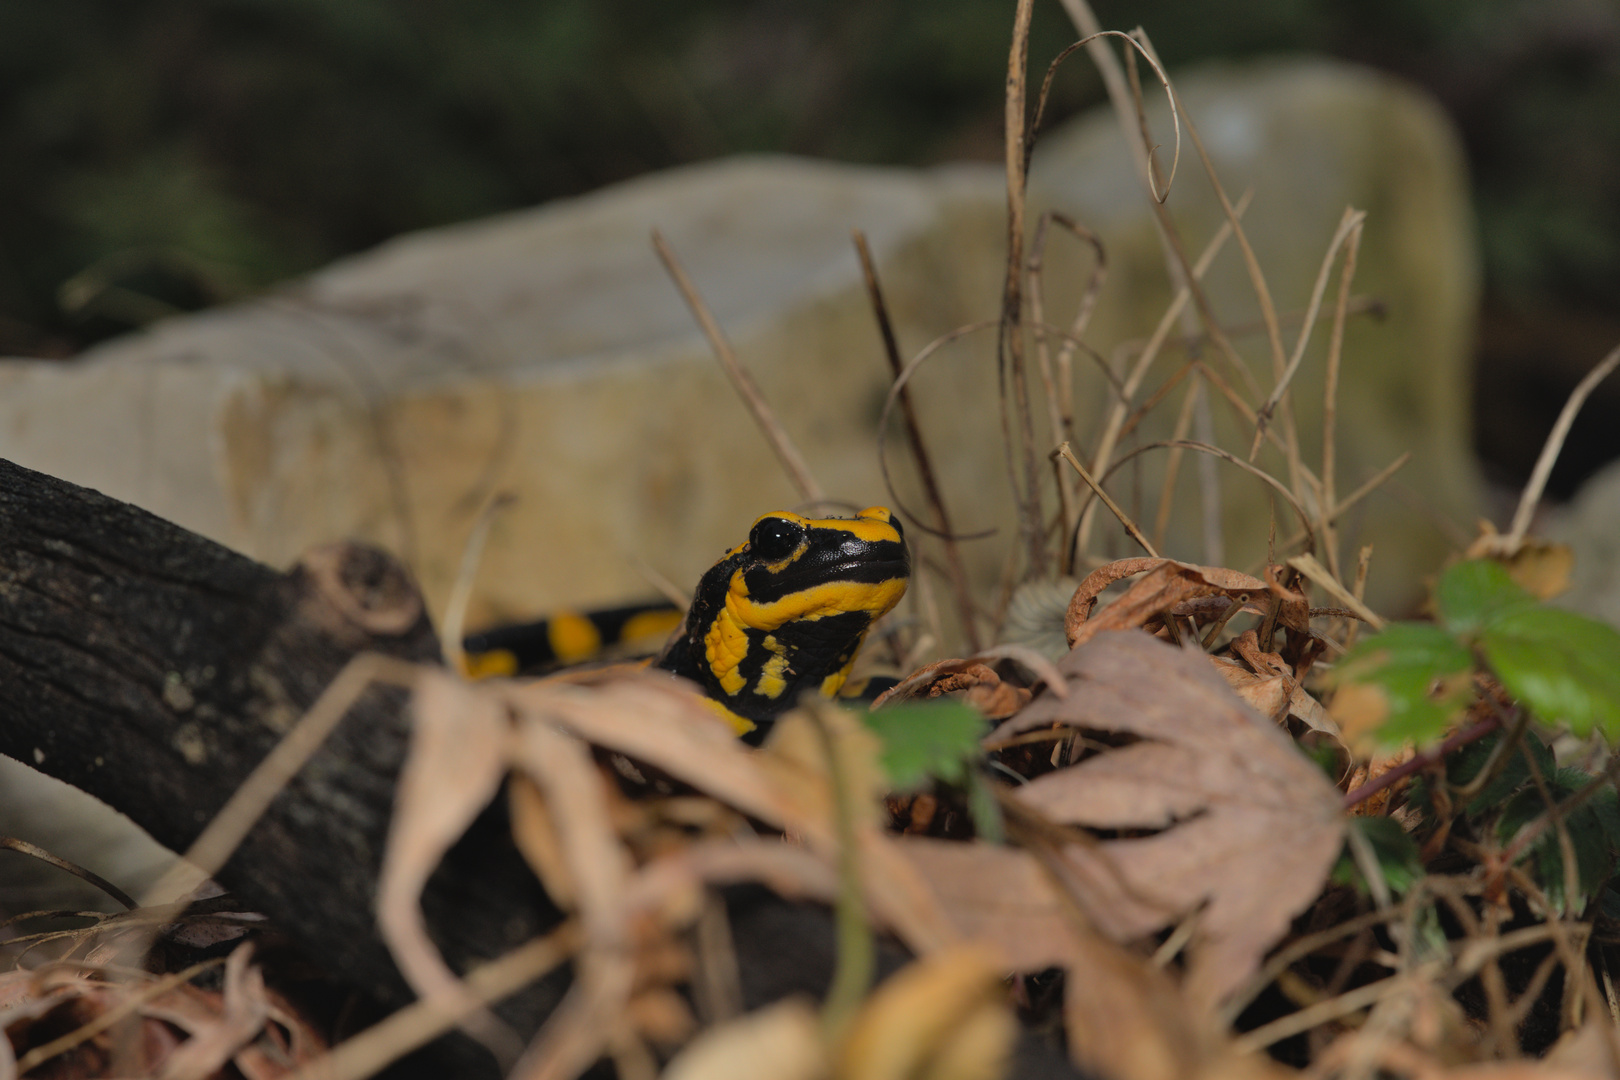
(1590,525)
(545,353)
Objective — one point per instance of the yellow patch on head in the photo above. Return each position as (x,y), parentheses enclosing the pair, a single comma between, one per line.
(573,637)
(816,602)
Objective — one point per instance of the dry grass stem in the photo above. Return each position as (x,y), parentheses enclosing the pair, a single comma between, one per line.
(895,388)
(957,574)
(1102,457)
(1313,569)
(1349,224)
(1172,465)
(455,610)
(1114,508)
(1531,496)
(421,1022)
(1330,401)
(786,452)
(23,847)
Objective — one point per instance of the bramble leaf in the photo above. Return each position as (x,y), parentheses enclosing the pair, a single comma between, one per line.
(1563,666)
(1471,593)
(1408,682)
(933,739)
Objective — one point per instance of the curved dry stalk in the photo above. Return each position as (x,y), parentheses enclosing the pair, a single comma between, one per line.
(455,611)
(1549,452)
(1330,400)
(1215,451)
(1124,518)
(1321,575)
(23,847)
(888,409)
(786,452)
(1101,457)
(1350,224)
(957,574)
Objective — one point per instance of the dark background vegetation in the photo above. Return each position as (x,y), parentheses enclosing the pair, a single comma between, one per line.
(162,155)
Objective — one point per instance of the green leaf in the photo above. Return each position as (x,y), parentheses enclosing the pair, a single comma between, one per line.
(1394,849)
(1563,666)
(1594,833)
(923,740)
(1422,672)
(1470,593)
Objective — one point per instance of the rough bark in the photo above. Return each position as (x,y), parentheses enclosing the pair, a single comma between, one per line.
(154,669)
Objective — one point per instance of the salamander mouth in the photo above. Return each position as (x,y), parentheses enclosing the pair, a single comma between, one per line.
(871,571)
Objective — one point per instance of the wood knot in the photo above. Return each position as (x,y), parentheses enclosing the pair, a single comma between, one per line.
(367,586)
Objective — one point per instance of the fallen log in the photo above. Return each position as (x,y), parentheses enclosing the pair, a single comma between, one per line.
(154,669)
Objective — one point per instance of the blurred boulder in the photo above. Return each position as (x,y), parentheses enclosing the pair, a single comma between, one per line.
(545,353)
(1590,525)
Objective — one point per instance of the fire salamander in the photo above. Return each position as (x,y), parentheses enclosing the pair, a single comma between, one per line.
(787,611)
(780,615)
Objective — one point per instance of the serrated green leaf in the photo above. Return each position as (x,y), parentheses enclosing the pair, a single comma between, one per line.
(923,740)
(1422,672)
(1564,667)
(1470,593)
(1594,834)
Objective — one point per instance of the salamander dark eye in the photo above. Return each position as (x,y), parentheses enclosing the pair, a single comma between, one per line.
(775,538)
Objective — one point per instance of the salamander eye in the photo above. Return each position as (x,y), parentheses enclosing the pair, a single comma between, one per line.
(775,538)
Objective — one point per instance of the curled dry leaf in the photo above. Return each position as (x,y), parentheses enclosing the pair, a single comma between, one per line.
(1166,584)
(778,1042)
(944,1017)
(459,749)
(1250,827)
(243,1011)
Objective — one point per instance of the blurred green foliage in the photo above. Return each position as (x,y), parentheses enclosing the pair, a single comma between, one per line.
(167,154)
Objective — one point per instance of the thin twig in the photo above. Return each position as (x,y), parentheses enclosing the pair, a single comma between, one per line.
(895,388)
(1549,452)
(1124,518)
(23,847)
(1321,575)
(455,610)
(919,449)
(1420,761)
(1349,224)
(1330,401)
(786,452)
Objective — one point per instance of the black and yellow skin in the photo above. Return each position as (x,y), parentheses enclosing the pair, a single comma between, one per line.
(568,638)
(786,612)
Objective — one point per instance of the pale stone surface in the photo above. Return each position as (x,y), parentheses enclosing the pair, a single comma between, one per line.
(1590,525)
(546,353)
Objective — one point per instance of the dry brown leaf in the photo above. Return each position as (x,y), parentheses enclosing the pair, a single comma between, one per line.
(243,1011)
(1127,1020)
(944,1017)
(599,868)
(779,1042)
(1250,826)
(459,747)
(1165,584)
(999,896)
